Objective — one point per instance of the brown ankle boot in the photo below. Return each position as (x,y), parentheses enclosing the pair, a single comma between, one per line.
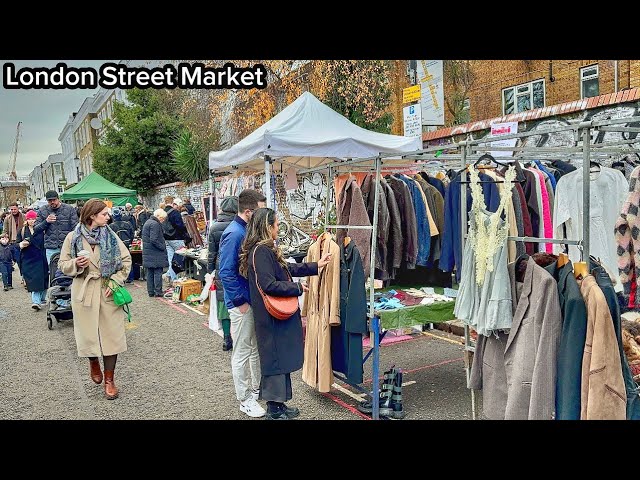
(96,372)
(110,389)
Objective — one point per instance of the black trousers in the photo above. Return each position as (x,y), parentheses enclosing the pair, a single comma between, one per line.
(6,268)
(154,280)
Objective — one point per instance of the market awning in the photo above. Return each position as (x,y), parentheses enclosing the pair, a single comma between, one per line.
(96,186)
(308,133)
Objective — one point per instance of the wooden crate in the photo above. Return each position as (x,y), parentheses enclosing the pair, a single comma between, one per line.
(190,287)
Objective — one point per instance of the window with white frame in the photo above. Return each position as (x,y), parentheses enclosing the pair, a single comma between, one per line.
(589,82)
(521,98)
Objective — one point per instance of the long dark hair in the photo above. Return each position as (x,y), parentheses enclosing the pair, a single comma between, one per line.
(258,233)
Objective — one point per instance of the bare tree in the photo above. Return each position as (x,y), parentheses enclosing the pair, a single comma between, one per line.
(459,77)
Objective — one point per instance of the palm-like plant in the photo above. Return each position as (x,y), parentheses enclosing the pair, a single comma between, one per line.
(190,158)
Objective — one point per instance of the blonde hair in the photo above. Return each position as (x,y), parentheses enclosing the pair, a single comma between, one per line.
(159,213)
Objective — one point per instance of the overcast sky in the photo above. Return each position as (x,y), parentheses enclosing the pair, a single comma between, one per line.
(43,114)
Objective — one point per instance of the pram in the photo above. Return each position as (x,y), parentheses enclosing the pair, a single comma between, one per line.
(59,294)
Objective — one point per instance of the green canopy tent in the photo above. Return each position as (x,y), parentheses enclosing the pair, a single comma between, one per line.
(96,186)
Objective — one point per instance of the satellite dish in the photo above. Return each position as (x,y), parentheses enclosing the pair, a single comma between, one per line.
(96,123)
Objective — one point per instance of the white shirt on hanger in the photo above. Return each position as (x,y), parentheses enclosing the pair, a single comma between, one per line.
(609,190)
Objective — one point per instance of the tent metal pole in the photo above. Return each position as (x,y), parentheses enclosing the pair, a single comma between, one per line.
(211,194)
(267,178)
(327,207)
(586,191)
(375,414)
(463,220)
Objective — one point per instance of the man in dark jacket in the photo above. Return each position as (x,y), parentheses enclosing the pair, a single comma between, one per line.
(245,356)
(187,205)
(56,220)
(124,231)
(175,231)
(154,252)
(229,207)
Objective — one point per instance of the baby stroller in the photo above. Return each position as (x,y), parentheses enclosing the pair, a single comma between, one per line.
(59,294)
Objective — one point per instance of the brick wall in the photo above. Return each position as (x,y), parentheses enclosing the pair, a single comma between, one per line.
(492,76)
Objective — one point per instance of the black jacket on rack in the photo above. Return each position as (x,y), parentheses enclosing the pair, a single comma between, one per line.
(346,338)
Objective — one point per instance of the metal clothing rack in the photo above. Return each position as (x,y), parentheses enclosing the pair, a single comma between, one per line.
(468,153)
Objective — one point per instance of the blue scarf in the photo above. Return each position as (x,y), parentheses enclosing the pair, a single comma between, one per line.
(110,258)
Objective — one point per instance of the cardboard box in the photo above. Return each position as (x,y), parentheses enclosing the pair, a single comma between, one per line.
(190,287)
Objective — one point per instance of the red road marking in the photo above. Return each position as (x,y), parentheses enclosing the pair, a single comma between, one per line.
(423,368)
(346,405)
(136,285)
(172,305)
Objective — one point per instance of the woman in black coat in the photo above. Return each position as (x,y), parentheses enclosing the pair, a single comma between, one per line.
(154,252)
(280,342)
(33,261)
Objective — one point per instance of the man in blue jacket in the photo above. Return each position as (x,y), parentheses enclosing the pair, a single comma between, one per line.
(245,361)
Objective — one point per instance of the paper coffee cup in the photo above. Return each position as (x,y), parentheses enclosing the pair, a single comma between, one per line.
(84,253)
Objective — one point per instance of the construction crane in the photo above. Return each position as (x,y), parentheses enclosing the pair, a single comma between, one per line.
(14,156)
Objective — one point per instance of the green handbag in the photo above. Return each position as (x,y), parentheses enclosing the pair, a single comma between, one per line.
(121,297)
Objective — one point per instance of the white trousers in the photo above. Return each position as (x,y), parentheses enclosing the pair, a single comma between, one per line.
(245,360)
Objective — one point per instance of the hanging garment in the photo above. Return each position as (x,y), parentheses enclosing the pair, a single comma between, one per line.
(572,341)
(548,172)
(430,208)
(353,211)
(526,219)
(435,182)
(604,282)
(346,338)
(510,213)
(409,226)
(531,187)
(382,233)
(451,256)
(609,190)
(546,229)
(484,296)
(395,245)
(517,371)
(435,202)
(322,309)
(422,222)
(192,230)
(603,393)
(628,243)
(562,168)
(519,223)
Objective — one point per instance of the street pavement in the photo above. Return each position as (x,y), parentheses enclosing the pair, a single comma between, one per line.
(175,368)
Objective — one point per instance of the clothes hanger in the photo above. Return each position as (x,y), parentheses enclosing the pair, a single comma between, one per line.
(491,158)
(580,269)
(563,259)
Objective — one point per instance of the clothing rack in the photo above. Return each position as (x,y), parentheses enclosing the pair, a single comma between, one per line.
(469,149)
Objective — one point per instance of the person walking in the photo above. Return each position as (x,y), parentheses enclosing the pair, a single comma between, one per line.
(6,262)
(94,255)
(33,261)
(280,342)
(154,252)
(245,364)
(12,224)
(175,232)
(125,232)
(56,220)
(229,207)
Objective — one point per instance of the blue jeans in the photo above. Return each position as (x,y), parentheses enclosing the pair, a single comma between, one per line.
(50,253)
(6,268)
(172,246)
(39,297)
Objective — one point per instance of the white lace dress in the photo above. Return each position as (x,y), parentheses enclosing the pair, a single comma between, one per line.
(484,294)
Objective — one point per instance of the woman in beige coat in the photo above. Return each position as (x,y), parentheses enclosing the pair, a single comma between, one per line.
(94,255)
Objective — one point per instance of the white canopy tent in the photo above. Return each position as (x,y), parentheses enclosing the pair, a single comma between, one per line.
(307,134)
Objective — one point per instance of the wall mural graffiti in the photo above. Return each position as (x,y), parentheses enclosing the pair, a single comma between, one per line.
(568,138)
(307,202)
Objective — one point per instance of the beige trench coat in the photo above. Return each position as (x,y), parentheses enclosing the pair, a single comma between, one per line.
(98,323)
(322,309)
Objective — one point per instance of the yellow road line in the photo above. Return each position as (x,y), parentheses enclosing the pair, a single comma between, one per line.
(457,342)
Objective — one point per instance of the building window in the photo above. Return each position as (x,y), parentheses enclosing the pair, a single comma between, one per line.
(56,168)
(589,84)
(523,97)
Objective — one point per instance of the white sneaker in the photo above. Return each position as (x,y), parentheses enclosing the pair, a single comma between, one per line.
(255,394)
(252,408)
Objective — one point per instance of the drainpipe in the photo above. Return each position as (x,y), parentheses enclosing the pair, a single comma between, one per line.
(615,75)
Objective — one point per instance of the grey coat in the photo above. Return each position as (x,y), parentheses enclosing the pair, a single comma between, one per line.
(517,372)
(56,232)
(154,248)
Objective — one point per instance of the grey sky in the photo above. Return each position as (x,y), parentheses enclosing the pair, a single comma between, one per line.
(43,114)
